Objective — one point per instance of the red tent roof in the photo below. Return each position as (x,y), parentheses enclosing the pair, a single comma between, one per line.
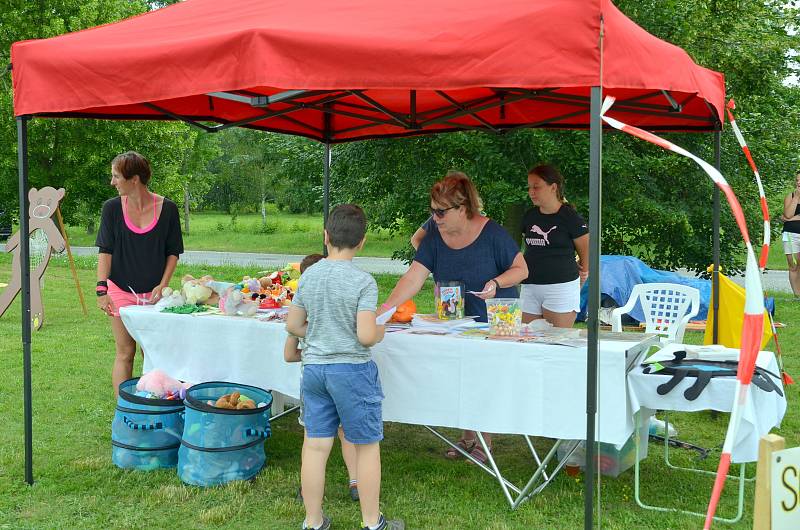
(352,69)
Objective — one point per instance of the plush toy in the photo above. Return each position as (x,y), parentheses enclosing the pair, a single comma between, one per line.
(236,401)
(196,291)
(233,302)
(170,298)
(250,285)
(218,287)
(405,311)
(161,385)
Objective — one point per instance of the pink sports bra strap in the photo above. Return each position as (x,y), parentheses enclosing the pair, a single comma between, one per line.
(132,227)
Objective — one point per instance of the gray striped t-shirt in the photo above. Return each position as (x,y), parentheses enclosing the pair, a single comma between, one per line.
(332,292)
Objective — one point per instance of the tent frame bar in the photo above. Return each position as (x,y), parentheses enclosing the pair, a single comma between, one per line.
(471,112)
(178,117)
(25,290)
(390,113)
(592,320)
(627,106)
(676,107)
(415,120)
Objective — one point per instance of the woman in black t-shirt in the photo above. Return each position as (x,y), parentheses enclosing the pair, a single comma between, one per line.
(791,234)
(553,232)
(139,242)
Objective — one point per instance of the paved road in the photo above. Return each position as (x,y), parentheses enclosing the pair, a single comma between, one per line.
(263,261)
(776,281)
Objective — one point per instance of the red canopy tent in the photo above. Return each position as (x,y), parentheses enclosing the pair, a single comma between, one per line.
(358,69)
(377,69)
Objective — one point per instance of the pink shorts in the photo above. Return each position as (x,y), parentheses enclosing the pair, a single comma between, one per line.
(122,298)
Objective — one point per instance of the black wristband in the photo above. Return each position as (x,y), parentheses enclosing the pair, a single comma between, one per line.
(101,293)
(102,283)
(496,284)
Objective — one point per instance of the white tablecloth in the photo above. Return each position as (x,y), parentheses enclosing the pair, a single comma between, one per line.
(764,410)
(490,386)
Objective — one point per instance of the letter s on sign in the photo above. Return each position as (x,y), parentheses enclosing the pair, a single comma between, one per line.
(794,489)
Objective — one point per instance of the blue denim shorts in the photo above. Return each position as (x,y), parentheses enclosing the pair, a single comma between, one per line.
(346,394)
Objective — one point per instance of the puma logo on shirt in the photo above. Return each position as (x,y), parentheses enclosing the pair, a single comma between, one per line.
(535,241)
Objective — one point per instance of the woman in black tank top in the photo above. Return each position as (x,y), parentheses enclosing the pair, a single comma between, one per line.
(791,235)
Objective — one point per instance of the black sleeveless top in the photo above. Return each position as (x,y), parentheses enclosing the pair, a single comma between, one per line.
(793,226)
(139,256)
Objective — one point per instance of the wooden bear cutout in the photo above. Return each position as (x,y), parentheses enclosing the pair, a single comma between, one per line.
(41,212)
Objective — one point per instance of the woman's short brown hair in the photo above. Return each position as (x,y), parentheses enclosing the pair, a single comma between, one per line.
(456,189)
(132,163)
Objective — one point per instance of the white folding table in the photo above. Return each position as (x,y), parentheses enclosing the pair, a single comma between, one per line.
(764,411)
(499,387)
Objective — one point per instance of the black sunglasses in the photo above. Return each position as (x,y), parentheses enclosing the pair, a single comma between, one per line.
(439,212)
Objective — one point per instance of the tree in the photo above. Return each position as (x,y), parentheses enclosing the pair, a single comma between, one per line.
(655,205)
(71,153)
(256,167)
(195,177)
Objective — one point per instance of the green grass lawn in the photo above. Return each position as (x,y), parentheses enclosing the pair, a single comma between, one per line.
(284,234)
(78,487)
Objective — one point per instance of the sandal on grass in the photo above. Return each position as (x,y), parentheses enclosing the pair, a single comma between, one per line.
(478,454)
(466,445)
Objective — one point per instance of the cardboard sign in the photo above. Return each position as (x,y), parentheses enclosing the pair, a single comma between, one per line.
(785,487)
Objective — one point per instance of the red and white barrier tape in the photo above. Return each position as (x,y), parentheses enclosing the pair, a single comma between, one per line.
(753,324)
(762,260)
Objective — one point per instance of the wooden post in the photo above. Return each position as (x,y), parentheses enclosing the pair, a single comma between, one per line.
(762,511)
(71,261)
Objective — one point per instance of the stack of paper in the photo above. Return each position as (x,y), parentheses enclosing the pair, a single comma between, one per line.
(432,324)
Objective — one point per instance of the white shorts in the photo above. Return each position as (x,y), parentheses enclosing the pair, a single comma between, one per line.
(555,297)
(791,243)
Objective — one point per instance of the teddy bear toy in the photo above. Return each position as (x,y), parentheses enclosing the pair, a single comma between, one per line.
(235,401)
(196,291)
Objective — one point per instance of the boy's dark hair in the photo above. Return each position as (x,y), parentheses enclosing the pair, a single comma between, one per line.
(309,261)
(346,226)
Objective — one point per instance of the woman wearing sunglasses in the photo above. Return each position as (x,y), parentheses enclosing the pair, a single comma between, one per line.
(462,245)
(553,232)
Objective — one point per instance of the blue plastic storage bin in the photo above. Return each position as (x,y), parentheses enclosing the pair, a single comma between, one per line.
(222,445)
(145,433)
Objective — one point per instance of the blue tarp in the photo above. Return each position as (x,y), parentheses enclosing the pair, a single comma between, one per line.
(618,275)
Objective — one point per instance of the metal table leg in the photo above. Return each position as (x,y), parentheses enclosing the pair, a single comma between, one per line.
(512,493)
(636,487)
(702,471)
(284,413)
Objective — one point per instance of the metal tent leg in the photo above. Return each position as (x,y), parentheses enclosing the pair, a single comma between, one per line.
(592,323)
(25,288)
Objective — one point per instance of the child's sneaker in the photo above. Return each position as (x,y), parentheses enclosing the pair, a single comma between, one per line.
(326,525)
(383,524)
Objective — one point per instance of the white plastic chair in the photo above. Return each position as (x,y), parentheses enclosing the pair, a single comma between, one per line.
(665,307)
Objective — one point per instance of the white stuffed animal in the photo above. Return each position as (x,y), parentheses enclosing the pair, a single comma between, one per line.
(195,291)
(235,303)
(170,298)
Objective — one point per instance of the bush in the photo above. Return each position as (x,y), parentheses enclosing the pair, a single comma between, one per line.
(266,228)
